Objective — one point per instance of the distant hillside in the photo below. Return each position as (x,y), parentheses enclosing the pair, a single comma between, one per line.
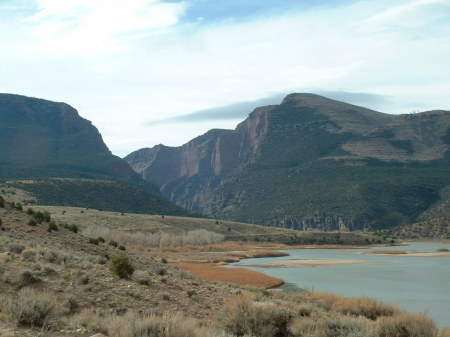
(309,163)
(97,194)
(41,139)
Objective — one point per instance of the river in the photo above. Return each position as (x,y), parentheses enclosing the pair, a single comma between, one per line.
(417,284)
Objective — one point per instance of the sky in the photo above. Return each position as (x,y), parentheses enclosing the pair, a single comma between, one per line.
(149,72)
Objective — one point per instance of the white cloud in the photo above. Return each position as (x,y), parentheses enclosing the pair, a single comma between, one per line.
(90,27)
(123,63)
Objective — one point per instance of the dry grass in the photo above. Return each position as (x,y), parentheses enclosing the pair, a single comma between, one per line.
(135,324)
(405,325)
(444,332)
(239,276)
(355,306)
(225,252)
(334,326)
(32,308)
(242,316)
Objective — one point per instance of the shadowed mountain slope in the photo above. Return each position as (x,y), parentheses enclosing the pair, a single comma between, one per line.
(44,139)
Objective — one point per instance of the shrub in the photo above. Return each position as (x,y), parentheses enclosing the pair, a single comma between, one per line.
(32,308)
(30,211)
(142,277)
(113,243)
(46,216)
(167,325)
(16,248)
(52,227)
(121,266)
(2,202)
(165,295)
(364,306)
(72,227)
(19,206)
(38,216)
(122,248)
(32,222)
(26,278)
(93,241)
(242,316)
(29,254)
(405,325)
(53,257)
(101,239)
(84,278)
(337,326)
(71,305)
(356,306)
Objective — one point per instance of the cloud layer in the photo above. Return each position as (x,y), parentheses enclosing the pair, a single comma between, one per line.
(129,64)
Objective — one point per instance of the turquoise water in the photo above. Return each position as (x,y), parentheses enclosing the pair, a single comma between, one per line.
(417,284)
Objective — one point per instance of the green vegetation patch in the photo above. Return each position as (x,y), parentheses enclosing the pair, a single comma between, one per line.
(98,194)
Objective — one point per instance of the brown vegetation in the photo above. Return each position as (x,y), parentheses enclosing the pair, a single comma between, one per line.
(355,306)
(390,252)
(239,276)
(405,325)
(443,249)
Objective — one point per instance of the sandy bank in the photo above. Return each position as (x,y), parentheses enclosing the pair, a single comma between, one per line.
(307,263)
(407,253)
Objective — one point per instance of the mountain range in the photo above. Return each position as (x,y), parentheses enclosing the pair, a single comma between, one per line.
(309,163)
(44,140)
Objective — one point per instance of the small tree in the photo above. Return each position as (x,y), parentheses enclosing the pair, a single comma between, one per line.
(121,266)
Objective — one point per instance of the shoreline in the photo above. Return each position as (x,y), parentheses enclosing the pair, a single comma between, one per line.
(307,263)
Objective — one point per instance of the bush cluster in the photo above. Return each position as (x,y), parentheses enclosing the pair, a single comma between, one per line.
(121,266)
(72,227)
(17,206)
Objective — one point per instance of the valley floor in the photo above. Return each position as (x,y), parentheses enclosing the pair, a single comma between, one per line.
(58,283)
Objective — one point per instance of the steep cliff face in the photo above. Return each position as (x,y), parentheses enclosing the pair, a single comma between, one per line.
(189,174)
(309,162)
